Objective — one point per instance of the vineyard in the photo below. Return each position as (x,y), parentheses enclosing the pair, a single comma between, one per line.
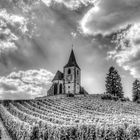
(71,118)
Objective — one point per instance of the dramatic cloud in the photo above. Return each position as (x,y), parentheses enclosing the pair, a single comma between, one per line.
(13,28)
(127,49)
(110,15)
(25,84)
(16,24)
(120,20)
(8,23)
(70,4)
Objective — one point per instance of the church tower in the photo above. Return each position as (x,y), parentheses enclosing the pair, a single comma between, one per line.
(72,76)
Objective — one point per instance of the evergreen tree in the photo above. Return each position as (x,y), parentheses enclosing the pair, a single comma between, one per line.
(113,83)
(136,90)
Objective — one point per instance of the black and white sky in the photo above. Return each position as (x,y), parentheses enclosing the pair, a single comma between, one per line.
(36,38)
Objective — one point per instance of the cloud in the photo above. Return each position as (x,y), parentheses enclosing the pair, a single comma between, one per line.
(70,4)
(127,49)
(119,20)
(12,28)
(110,15)
(23,47)
(25,84)
(16,24)
(8,23)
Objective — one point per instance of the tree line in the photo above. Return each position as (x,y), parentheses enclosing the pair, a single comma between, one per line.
(114,88)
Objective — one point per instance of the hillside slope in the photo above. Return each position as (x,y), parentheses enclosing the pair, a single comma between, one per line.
(80,118)
(4,134)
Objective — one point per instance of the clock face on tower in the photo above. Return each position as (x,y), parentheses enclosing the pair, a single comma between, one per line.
(69,78)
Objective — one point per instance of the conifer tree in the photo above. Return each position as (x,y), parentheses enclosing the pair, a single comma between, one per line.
(113,83)
(136,90)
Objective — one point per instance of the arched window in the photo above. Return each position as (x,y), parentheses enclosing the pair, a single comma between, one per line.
(55,89)
(60,89)
(69,71)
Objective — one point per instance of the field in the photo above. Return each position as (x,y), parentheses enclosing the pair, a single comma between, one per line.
(71,118)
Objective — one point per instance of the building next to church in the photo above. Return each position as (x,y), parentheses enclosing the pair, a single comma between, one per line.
(68,82)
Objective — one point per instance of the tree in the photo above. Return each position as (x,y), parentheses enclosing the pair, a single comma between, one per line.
(0,134)
(113,83)
(136,90)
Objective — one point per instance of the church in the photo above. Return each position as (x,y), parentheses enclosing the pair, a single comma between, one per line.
(68,82)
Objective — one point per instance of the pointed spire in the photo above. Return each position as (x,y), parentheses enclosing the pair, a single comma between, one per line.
(72,60)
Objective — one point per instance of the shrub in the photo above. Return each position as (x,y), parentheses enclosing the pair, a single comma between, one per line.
(70,95)
(109,97)
(125,99)
(138,102)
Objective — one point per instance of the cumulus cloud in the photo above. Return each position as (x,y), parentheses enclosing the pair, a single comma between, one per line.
(16,24)
(127,49)
(8,23)
(110,15)
(25,84)
(119,20)
(12,28)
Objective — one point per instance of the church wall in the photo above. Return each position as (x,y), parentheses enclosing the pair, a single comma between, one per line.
(77,80)
(73,85)
(69,88)
(61,82)
(51,90)
(69,84)
(58,82)
(77,88)
(78,76)
(66,74)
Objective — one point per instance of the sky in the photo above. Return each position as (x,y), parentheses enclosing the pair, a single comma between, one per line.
(36,37)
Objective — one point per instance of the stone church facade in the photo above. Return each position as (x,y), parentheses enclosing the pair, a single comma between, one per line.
(68,82)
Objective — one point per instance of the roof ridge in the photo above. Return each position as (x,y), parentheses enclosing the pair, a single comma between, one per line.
(58,76)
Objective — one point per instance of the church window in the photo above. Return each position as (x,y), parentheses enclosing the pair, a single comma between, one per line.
(69,71)
(60,88)
(77,72)
(55,89)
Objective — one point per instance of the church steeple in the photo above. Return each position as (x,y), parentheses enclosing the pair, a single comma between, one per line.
(72,76)
(72,61)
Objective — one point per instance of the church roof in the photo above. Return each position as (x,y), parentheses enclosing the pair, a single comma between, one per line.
(58,76)
(72,61)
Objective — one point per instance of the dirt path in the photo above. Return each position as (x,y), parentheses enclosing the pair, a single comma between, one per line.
(5,135)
